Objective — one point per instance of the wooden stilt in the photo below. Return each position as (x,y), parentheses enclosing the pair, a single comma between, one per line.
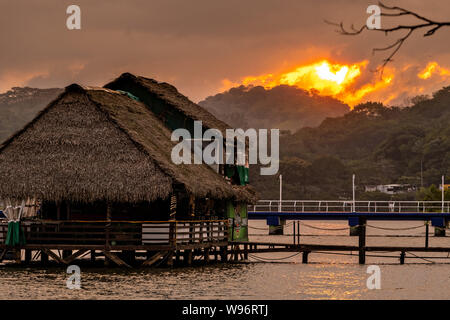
(402,257)
(93,256)
(28,254)
(223,254)
(44,258)
(170,259)
(17,256)
(189,257)
(362,240)
(305,256)
(206,254)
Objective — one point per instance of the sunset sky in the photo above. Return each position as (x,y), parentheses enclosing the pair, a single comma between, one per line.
(204,47)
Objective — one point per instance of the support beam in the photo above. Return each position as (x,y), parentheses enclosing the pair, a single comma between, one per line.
(54,256)
(114,258)
(77,254)
(66,253)
(153,259)
(2,255)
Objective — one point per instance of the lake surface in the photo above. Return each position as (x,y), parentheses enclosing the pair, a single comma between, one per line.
(326,276)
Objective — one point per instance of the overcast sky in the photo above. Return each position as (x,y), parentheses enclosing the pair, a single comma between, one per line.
(197,44)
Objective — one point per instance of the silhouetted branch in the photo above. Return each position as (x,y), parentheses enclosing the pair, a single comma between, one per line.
(394,11)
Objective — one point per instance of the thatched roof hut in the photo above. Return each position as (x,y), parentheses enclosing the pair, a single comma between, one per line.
(173,108)
(98,144)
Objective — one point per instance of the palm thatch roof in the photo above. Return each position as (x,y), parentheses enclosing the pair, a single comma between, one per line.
(98,144)
(155,93)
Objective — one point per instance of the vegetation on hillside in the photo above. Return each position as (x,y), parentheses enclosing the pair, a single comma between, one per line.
(380,145)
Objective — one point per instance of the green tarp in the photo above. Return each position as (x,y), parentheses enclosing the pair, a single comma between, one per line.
(242,173)
(15,235)
(238,222)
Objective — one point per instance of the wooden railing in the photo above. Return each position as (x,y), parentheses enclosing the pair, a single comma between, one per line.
(116,233)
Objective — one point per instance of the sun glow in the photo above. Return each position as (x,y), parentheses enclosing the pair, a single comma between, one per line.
(325,78)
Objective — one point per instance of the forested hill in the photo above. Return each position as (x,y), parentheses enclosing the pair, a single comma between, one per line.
(284,107)
(380,145)
(18,106)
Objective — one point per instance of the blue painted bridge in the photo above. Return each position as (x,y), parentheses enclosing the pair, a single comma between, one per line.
(275,211)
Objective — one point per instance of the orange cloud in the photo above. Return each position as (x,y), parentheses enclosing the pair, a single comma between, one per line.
(433,68)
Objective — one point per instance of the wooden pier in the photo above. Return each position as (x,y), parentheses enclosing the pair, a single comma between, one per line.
(245,248)
(120,242)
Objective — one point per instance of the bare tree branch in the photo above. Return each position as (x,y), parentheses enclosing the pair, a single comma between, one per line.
(424,23)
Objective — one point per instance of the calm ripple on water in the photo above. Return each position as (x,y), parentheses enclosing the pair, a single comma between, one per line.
(325,277)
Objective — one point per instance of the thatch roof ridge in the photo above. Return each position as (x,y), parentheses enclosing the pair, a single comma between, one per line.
(172,97)
(157,144)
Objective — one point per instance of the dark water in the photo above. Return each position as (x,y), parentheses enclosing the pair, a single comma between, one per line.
(285,277)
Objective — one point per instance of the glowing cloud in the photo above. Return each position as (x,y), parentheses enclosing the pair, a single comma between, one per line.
(330,79)
(433,67)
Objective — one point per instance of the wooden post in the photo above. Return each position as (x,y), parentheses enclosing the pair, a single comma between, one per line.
(170,259)
(362,240)
(245,251)
(206,254)
(427,232)
(298,232)
(305,256)
(17,256)
(189,257)
(44,258)
(293,231)
(223,254)
(129,256)
(28,254)
(108,226)
(402,257)
(93,256)
(216,257)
